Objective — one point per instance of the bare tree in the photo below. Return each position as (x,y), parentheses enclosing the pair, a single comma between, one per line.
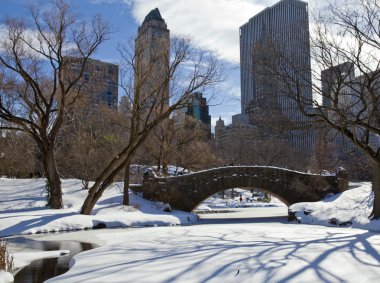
(147,97)
(324,155)
(262,143)
(158,144)
(87,140)
(34,90)
(197,155)
(17,155)
(345,45)
(169,143)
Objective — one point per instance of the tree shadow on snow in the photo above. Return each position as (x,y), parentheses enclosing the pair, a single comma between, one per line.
(31,223)
(235,259)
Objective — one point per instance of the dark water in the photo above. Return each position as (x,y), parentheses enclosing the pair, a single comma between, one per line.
(43,269)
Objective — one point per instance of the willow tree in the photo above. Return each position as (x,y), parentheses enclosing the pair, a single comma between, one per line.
(34,90)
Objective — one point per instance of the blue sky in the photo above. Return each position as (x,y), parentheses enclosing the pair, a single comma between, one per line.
(212,25)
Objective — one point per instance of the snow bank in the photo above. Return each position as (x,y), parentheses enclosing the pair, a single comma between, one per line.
(24,259)
(6,277)
(350,208)
(261,252)
(23,210)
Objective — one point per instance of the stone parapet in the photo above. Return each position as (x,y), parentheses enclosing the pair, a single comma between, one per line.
(186,192)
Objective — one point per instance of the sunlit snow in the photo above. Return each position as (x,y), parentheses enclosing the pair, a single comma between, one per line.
(217,251)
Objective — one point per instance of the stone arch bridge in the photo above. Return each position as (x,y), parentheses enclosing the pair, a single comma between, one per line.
(186,192)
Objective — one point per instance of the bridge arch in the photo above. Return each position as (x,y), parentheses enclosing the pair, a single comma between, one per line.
(247,188)
(187,191)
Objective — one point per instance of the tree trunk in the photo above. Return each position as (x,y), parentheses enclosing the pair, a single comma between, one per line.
(53,179)
(105,178)
(376,190)
(103,181)
(94,194)
(164,163)
(88,203)
(159,159)
(126,184)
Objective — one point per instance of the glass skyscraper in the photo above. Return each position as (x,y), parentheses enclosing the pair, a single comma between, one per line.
(279,37)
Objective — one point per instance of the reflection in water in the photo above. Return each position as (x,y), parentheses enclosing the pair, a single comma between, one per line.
(43,269)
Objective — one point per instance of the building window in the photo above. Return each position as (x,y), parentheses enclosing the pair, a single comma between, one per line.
(109,98)
(110,85)
(110,69)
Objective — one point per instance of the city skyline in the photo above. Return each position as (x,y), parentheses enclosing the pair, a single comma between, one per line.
(212,25)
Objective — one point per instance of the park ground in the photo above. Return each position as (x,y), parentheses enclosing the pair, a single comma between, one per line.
(216,250)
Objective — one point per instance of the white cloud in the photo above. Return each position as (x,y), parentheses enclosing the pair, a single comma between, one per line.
(211,24)
(33,37)
(229,88)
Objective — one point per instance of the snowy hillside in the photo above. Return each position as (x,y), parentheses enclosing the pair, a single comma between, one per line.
(23,210)
(350,208)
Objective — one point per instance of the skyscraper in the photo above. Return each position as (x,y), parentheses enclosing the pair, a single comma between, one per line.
(99,83)
(280,31)
(197,108)
(343,92)
(152,48)
(340,75)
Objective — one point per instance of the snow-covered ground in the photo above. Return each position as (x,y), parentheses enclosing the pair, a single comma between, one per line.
(250,252)
(350,208)
(23,209)
(233,251)
(247,201)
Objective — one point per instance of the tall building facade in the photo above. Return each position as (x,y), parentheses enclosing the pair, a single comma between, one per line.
(337,76)
(197,108)
(342,88)
(278,32)
(99,82)
(234,142)
(152,49)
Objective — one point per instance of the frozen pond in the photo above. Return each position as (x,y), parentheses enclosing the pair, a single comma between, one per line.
(43,269)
